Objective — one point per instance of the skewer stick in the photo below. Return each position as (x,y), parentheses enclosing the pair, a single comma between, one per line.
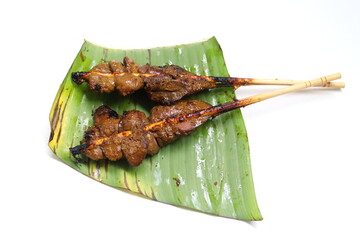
(215,110)
(78,77)
(237,82)
(298,86)
(292,82)
(218,109)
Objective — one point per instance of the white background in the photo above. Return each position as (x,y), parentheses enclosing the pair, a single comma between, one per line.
(304,146)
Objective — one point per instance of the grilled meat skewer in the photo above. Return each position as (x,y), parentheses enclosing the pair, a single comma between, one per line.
(133,136)
(165,84)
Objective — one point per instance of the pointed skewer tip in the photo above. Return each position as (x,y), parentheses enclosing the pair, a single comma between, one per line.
(76,77)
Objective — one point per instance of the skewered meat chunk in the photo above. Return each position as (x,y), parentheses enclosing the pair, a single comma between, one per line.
(101,83)
(112,148)
(96,152)
(170,133)
(106,120)
(136,121)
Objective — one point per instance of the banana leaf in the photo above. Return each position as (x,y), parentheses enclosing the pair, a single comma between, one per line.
(208,171)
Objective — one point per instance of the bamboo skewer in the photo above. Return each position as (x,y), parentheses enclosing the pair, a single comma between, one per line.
(237,82)
(292,82)
(216,110)
(298,86)
(219,81)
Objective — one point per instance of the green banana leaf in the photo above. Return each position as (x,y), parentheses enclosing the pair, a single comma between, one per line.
(208,171)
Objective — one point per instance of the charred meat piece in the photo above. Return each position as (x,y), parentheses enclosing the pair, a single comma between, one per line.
(136,121)
(134,147)
(106,120)
(95,152)
(133,120)
(101,83)
(171,132)
(112,148)
(167,90)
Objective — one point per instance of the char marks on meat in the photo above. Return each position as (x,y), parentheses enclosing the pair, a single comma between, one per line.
(171,132)
(134,148)
(169,84)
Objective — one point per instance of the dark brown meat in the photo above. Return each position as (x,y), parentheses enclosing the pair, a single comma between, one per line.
(106,120)
(116,67)
(99,83)
(136,120)
(107,123)
(170,83)
(170,133)
(96,152)
(128,84)
(135,147)
(112,148)
(152,147)
(133,120)
(172,86)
